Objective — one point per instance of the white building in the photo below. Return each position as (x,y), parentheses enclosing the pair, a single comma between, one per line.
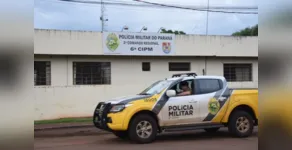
(72,73)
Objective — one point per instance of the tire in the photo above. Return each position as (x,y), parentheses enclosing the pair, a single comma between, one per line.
(243,129)
(121,134)
(138,134)
(211,130)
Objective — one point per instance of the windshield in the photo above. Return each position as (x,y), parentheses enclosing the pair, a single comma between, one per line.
(156,87)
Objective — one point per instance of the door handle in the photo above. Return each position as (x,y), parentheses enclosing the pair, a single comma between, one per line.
(193,101)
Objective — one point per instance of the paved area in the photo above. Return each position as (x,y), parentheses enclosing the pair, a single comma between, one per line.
(198,140)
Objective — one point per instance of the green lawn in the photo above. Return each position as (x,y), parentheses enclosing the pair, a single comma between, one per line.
(63,120)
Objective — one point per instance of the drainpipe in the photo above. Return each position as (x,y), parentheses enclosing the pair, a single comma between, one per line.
(67,75)
(205,69)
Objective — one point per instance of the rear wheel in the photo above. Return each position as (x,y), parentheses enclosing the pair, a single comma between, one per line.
(143,129)
(241,124)
(121,134)
(211,130)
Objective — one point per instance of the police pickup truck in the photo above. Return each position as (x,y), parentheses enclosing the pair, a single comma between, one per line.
(160,108)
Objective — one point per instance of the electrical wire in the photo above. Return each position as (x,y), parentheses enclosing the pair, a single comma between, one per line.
(177,4)
(179,7)
(150,4)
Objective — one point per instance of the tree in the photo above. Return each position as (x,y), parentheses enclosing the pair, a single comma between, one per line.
(255,30)
(252,31)
(172,32)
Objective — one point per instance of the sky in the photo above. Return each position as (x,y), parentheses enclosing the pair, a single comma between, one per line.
(59,15)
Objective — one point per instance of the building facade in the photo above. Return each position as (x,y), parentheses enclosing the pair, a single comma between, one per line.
(72,72)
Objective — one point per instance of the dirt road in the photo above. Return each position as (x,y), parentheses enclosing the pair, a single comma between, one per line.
(198,140)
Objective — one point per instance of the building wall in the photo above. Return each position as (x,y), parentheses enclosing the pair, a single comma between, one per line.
(63,99)
(90,43)
(215,67)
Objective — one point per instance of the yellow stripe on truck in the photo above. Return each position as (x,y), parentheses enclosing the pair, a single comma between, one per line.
(239,98)
(221,113)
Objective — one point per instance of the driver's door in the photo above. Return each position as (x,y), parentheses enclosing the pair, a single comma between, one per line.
(180,110)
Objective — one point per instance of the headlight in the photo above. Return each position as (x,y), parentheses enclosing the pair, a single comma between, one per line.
(117,108)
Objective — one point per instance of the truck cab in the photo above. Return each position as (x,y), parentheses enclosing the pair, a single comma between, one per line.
(209,105)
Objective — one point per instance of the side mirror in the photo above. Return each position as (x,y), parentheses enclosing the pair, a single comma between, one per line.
(171,93)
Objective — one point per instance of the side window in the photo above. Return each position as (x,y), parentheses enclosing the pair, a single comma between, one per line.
(204,86)
(178,89)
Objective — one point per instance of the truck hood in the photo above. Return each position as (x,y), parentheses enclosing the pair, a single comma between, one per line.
(127,99)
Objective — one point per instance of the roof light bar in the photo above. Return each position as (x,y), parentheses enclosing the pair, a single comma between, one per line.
(184,74)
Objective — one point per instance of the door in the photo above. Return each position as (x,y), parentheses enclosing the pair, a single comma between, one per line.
(211,97)
(180,110)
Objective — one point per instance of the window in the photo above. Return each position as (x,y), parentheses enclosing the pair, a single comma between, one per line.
(204,86)
(145,66)
(156,87)
(179,66)
(178,89)
(88,73)
(238,72)
(42,73)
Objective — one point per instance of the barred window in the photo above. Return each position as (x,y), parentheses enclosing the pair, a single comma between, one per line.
(42,73)
(88,73)
(179,66)
(238,72)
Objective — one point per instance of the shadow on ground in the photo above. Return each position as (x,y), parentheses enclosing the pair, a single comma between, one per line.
(112,139)
(183,136)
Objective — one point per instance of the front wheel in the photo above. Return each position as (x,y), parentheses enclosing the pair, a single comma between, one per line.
(143,129)
(240,124)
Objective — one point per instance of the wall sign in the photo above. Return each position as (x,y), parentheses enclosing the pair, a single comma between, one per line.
(125,43)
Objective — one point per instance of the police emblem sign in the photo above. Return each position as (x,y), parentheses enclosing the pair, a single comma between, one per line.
(127,43)
(166,46)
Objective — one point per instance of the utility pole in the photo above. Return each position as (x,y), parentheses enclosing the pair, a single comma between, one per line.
(102,19)
(207,21)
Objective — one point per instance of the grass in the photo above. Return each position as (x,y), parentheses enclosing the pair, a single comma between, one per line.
(64,120)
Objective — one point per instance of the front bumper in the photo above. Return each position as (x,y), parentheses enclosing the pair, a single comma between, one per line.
(100,118)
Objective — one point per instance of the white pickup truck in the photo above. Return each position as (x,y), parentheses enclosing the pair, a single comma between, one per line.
(159,108)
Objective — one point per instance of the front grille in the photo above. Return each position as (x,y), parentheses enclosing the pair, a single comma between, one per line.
(100,116)
(100,105)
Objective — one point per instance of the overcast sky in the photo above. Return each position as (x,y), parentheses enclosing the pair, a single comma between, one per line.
(54,14)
